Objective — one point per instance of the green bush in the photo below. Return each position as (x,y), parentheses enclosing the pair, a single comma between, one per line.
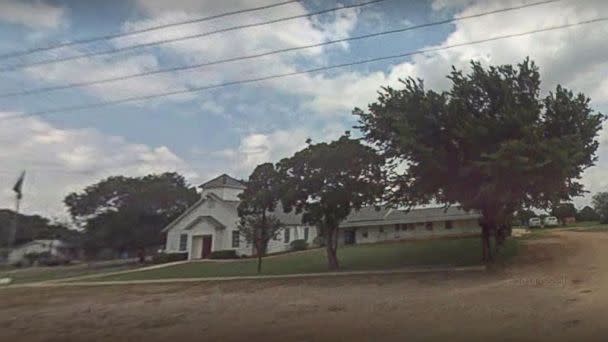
(298,245)
(224,254)
(319,241)
(163,258)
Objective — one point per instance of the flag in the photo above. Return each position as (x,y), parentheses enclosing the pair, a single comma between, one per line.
(19,185)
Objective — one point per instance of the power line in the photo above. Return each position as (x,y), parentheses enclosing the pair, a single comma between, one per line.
(308,71)
(134,32)
(268,53)
(183,38)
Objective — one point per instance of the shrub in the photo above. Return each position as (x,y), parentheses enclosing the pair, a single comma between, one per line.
(163,258)
(298,245)
(318,241)
(224,254)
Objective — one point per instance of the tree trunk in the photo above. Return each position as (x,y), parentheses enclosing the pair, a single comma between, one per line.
(259,263)
(331,245)
(486,231)
(501,235)
(259,249)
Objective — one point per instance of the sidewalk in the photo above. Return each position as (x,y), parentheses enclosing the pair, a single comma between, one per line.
(261,277)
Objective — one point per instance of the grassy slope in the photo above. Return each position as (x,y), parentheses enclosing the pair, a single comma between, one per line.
(37,274)
(457,252)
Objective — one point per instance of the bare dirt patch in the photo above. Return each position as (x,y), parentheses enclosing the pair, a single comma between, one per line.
(557,290)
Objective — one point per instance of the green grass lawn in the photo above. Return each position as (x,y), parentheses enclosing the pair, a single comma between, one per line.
(37,274)
(589,226)
(455,252)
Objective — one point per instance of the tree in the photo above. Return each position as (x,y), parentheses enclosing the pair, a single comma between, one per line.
(258,200)
(490,143)
(33,227)
(524,215)
(600,203)
(326,181)
(587,214)
(563,211)
(128,213)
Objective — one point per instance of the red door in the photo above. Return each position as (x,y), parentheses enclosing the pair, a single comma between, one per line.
(206,251)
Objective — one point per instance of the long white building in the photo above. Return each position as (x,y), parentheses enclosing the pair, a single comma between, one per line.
(210,224)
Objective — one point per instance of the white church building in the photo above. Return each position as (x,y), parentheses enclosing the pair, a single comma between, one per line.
(211,224)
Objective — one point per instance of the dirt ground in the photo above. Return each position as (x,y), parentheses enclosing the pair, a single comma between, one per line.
(556,290)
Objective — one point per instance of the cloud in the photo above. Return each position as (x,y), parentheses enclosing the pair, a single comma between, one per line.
(574,57)
(35,14)
(84,70)
(59,161)
(255,148)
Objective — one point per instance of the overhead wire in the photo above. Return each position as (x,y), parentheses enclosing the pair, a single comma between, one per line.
(300,72)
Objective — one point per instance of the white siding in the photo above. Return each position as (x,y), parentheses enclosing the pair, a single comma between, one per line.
(378,233)
(295,233)
(221,238)
(226,214)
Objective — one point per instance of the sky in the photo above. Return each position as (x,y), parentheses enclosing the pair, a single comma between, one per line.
(232,129)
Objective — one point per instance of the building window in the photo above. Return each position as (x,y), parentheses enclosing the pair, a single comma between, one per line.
(286,236)
(449,225)
(183,242)
(397,226)
(411,226)
(428,225)
(236,239)
(305,233)
(381,229)
(364,234)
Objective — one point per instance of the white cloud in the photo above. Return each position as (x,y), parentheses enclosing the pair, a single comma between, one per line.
(59,161)
(574,57)
(84,70)
(36,14)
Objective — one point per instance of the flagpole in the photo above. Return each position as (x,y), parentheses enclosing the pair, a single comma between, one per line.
(13,232)
(18,195)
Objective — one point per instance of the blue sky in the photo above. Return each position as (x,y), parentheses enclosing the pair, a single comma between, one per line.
(233,129)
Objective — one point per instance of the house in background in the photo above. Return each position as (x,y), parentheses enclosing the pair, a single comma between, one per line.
(58,249)
(369,225)
(211,224)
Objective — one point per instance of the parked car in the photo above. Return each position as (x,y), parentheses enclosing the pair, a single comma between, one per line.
(551,221)
(535,222)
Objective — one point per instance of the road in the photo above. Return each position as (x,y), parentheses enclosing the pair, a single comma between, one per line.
(557,290)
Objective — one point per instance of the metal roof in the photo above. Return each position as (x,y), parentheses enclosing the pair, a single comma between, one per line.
(223,181)
(370,216)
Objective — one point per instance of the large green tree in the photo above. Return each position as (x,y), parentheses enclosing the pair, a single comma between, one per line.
(490,143)
(128,213)
(258,201)
(600,204)
(587,214)
(563,211)
(326,181)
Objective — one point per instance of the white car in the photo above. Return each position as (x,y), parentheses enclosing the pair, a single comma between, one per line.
(535,222)
(551,221)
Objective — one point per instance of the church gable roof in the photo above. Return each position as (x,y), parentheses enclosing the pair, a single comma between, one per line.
(223,181)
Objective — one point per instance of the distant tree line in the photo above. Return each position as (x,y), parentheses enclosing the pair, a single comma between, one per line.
(34,227)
